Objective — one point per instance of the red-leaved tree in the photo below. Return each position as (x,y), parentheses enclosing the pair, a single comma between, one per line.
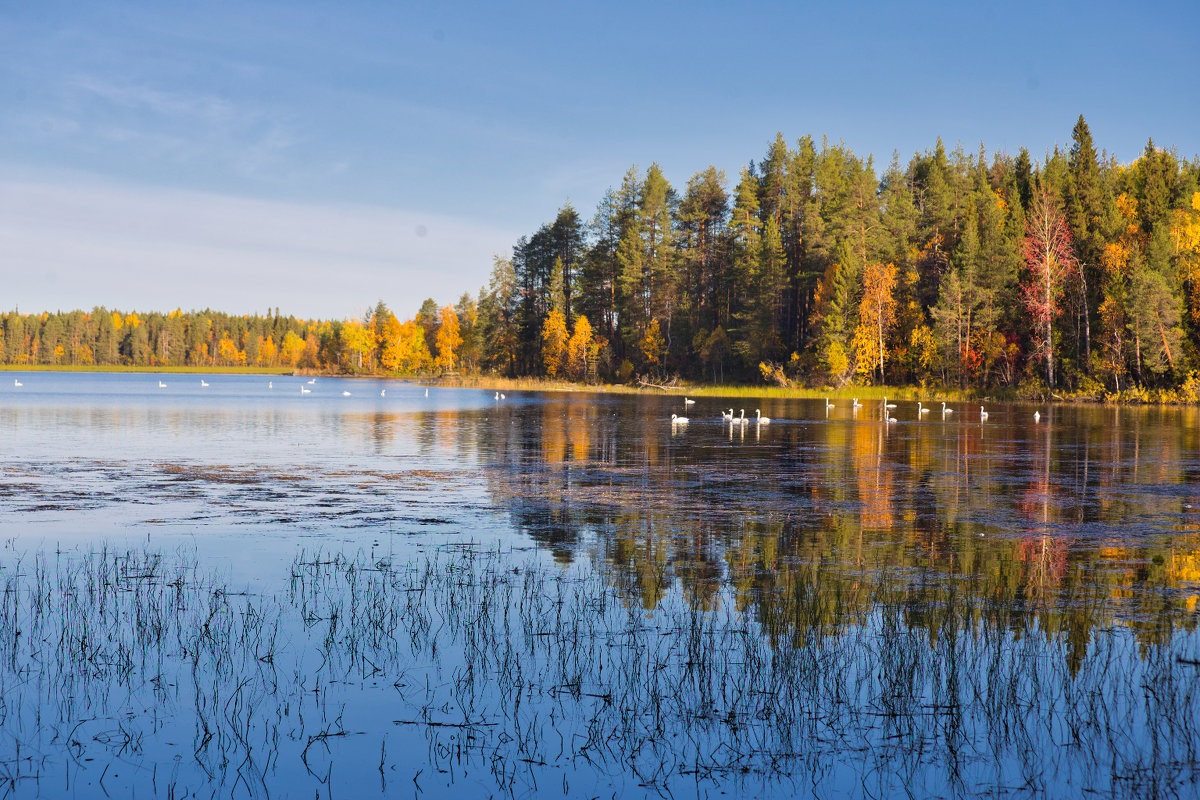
(1050,258)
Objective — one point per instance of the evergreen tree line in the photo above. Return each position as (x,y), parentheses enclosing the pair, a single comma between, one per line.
(1078,273)
(957,268)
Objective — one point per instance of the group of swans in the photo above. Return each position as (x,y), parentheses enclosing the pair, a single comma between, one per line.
(726,416)
(922,410)
(742,419)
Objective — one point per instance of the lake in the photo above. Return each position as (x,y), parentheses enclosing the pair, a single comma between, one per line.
(281,586)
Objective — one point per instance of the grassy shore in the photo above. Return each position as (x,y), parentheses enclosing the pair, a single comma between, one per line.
(698,390)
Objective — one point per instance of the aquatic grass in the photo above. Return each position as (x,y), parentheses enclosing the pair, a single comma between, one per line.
(135,670)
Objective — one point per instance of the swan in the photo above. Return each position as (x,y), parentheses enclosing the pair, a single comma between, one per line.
(1037,416)
(741,419)
(828,405)
(982,415)
(314,380)
(946,411)
(502,396)
(855,403)
(678,420)
(687,402)
(203,382)
(270,384)
(888,405)
(305,391)
(727,417)
(921,409)
(760,419)
(345,394)
(497,397)
(17,382)
(427,392)
(382,392)
(890,419)
(162,385)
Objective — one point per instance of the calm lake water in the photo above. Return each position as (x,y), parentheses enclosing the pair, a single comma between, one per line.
(271,587)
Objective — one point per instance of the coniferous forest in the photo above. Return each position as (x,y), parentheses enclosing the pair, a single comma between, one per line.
(1076,274)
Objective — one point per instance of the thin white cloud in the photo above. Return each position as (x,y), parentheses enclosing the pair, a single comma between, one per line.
(178,105)
(76,244)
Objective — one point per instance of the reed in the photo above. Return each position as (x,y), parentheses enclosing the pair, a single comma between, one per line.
(136,671)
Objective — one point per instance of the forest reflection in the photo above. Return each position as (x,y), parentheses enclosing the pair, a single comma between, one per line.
(1087,520)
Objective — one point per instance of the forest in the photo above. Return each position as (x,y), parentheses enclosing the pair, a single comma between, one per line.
(1077,275)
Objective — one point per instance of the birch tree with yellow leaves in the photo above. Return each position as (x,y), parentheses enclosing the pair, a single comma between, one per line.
(448,340)
(876,316)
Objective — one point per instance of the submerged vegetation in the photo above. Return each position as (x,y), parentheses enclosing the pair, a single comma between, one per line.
(125,671)
(985,273)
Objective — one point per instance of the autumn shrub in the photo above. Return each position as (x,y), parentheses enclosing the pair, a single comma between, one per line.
(1189,391)
(1089,388)
(1131,395)
(773,373)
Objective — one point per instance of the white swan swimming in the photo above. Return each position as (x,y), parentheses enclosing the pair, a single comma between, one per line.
(162,385)
(888,405)
(760,419)
(687,402)
(727,417)
(675,420)
(17,382)
(270,384)
(305,391)
(890,419)
(203,382)
(314,380)
(345,394)
(382,392)
(982,415)
(741,420)
(828,405)
(427,392)
(1037,416)
(497,397)
(921,409)
(946,411)
(855,403)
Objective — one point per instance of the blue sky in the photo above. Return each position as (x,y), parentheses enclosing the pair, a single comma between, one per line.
(318,156)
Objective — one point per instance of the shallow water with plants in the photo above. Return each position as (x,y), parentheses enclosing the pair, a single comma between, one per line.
(246,590)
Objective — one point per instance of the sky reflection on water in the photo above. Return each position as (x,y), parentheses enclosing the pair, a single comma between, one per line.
(1074,540)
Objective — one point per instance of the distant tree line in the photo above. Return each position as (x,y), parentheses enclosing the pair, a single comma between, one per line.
(961,269)
(433,340)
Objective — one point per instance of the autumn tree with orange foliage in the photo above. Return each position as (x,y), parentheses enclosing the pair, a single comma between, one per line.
(554,343)
(580,349)
(448,339)
(404,349)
